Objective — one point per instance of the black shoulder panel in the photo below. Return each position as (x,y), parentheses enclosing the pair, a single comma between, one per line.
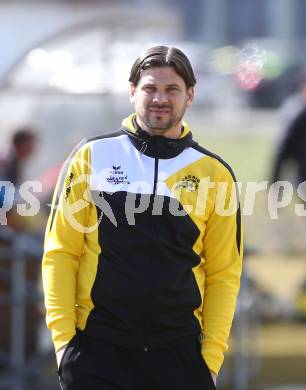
(200,149)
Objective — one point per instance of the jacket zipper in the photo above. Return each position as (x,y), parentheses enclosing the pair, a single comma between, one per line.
(155,175)
(146,347)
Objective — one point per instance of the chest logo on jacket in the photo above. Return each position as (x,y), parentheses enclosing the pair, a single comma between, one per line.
(117,176)
(189,183)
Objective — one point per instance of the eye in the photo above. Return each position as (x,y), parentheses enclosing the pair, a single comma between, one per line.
(148,88)
(173,89)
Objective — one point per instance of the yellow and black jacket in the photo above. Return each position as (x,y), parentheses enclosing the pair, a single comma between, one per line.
(143,244)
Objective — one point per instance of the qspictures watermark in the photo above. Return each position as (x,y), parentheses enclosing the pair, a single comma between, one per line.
(23,198)
(25,202)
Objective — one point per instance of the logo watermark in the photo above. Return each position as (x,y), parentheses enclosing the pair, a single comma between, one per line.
(198,197)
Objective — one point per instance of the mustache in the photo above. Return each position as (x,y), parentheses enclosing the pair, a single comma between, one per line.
(160,106)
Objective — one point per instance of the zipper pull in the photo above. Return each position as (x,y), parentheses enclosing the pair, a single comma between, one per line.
(144,146)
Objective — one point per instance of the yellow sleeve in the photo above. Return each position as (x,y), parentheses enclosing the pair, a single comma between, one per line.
(64,241)
(223,263)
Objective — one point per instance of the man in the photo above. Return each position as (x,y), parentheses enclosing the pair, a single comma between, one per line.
(22,148)
(141,267)
(292,146)
(291,149)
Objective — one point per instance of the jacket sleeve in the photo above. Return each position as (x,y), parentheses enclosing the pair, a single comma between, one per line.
(64,242)
(223,263)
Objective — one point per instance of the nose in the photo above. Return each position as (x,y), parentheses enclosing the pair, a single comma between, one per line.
(160,98)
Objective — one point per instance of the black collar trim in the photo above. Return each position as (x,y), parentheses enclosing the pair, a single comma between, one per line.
(157,146)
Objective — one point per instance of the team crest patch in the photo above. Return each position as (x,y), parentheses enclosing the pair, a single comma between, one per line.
(189,182)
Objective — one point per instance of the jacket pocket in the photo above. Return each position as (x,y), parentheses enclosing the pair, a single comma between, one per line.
(68,346)
(206,368)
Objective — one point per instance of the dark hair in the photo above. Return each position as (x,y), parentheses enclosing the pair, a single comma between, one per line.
(23,135)
(163,56)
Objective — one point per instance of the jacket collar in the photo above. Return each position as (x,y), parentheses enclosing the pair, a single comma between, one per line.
(155,146)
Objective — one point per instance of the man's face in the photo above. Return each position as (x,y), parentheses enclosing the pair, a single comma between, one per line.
(26,148)
(160,99)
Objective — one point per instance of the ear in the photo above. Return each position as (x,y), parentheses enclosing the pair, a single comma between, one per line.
(132,92)
(190,96)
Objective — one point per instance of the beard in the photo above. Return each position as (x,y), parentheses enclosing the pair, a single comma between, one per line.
(158,122)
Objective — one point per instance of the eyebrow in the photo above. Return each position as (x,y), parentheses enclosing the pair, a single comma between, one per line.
(152,84)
